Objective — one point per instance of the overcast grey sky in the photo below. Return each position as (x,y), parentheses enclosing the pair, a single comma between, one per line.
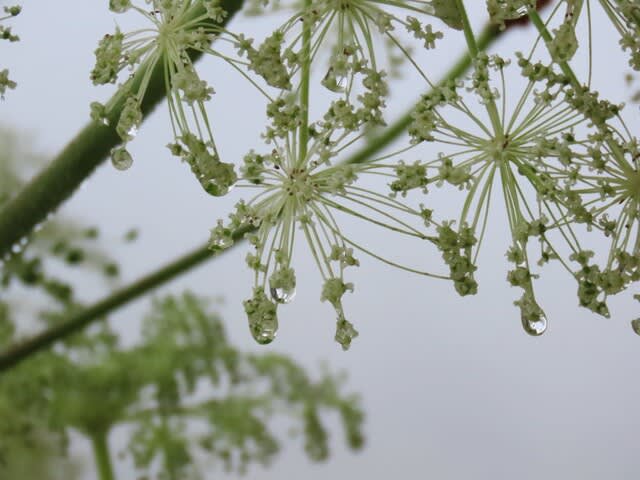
(453,388)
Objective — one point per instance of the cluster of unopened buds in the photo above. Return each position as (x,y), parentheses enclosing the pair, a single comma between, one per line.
(560,157)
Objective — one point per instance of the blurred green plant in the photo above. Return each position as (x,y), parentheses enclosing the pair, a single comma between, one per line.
(183,392)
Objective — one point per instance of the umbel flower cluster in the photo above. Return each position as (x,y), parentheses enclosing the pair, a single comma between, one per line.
(558,156)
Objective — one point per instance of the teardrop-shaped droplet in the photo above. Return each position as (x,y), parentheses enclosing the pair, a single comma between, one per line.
(534,326)
(121,158)
(264,331)
(283,295)
(333,82)
(263,317)
(635,324)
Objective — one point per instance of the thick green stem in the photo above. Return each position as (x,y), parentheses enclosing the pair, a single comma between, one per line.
(77,322)
(78,160)
(102,456)
(97,311)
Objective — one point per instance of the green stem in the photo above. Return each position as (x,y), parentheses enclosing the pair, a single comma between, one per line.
(97,311)
(102,456)
(474,50)
(78,160)
(79,321)
(305,85)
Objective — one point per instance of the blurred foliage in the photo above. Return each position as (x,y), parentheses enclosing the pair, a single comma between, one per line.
(183,393)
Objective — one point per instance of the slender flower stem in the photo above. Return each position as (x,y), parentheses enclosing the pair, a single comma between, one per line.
(79,159)
(568,71)
(97,311)
(305,85)
(102,456)
(546,36)
(474,50)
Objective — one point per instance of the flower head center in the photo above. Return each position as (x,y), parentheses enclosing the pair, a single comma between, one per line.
(632,185)
(497,150)
(298,183)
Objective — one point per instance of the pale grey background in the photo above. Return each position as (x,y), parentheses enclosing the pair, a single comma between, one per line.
(452,387)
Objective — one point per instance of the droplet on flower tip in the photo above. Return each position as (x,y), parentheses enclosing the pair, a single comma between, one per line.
(264,332)
(332,82)
(121,158)
(635,325)
(534,326)
(283,295)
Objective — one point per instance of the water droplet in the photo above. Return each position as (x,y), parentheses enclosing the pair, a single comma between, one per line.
(104,121)
(534,326)
(121,158)
(16,248)
(133,131)
(264,331)
(263,317)
(283,295)
(333,82)
(635,324)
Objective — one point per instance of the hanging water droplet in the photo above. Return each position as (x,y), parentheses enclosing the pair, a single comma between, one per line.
(265,330)
(534,326)
(283,295)
(263,317)
(121,158)
(635,324)
(333,82)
